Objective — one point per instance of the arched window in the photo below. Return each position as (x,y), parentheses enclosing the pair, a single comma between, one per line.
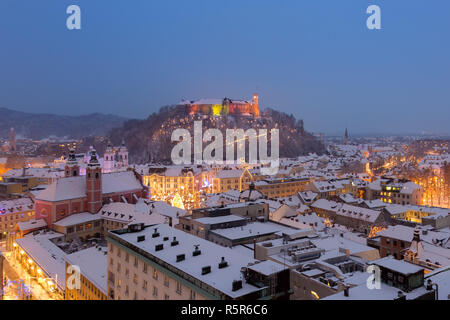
(75,173)
(97,175)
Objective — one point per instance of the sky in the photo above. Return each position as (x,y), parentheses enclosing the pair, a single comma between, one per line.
(315,59)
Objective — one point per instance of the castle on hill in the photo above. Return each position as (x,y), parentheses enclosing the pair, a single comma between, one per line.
(225,106)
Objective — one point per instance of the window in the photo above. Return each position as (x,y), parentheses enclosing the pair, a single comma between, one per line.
(144,285)
(127,257)
(136,262)
(118,267)
(166,281)
(166,297)
(179,288)
(118,252)
(135,278)
(192,295)
(144,268)
(155,292)
(155,274)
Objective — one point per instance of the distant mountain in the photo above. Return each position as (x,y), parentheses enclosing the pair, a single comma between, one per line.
(40,125)
(149,140)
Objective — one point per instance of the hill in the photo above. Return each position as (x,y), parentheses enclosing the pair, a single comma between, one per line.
(39,126)
(149,140)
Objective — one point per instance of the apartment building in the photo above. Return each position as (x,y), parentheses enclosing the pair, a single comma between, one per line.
(162,263)
(281,187)
(395,191)
(13,212)
(226,179)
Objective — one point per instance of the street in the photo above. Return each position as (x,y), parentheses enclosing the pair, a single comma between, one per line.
(19,282)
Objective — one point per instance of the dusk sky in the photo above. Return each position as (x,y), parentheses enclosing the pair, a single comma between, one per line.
(314,59)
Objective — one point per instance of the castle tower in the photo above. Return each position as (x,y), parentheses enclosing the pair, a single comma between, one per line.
(123,155)
(255,104)
(94,184)
(72,169)
(12,141)
(108,159)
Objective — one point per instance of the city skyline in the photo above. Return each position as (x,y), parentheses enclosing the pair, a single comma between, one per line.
(316,61)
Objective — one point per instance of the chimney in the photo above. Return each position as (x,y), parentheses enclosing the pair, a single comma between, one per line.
(346,291)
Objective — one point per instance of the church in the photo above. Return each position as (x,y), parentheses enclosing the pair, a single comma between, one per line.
(75,193)
(115,158)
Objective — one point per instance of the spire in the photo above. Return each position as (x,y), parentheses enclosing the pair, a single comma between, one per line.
(416,247)
(346,136)
(416,236)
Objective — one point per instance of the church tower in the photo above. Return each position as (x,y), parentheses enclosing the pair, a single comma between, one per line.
(346,136)
(108,159)
(255,104)
(94,184)
(72,169)
(123,155)
(12,141)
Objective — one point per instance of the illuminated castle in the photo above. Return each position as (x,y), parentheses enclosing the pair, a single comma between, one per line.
(224,106)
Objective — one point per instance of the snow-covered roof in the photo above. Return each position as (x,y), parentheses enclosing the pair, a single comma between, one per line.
(78,218)
(46,173)
(358,213)
(401,266)
(32,224)
(267,267)
(233,173)
(253,229)
(386,292)
(75,187)
(441,276)
(220,219)
(16,205)
(131,213)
